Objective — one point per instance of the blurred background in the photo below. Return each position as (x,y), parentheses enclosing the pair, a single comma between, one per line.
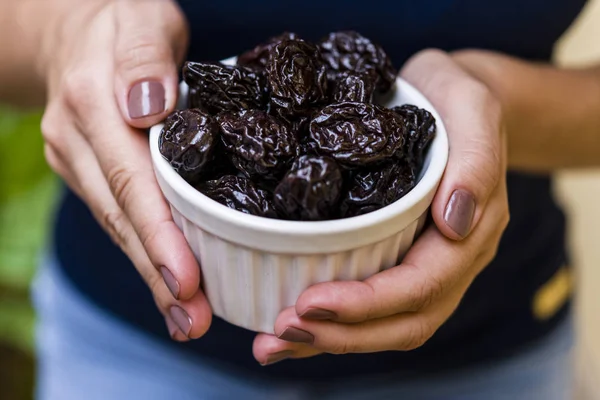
(28,189)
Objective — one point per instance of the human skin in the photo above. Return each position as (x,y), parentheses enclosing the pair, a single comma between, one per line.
(84,61)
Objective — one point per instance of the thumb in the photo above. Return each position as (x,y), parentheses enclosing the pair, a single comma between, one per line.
(472,117)
(152,38)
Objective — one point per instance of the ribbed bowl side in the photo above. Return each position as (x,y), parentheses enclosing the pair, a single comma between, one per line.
(249,288)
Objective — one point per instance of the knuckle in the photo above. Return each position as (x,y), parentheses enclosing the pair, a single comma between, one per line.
(120,179)
(50,129)
(431,53)
(115,223)
(341,347)
(147,233)
(157,286)
(52,158)
(418,335)
(505,219)
(424,293)
(143,55)
(481,162)
(78,89)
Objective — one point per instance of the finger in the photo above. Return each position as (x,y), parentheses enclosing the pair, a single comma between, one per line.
(269,349)
(422,278)
(401,332)
(472,117)
(59,167)
(77,161)
(174,330)
(193,316)
(124,158)
(146,58)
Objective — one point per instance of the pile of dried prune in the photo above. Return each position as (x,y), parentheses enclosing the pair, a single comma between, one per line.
(292,130)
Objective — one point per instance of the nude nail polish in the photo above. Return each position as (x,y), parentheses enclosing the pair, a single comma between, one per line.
(146,98)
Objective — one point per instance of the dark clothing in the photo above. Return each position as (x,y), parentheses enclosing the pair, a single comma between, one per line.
(495,317)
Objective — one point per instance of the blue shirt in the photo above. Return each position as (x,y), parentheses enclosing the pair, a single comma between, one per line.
(496,316)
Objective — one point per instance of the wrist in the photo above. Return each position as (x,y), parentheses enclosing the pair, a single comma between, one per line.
(550,114)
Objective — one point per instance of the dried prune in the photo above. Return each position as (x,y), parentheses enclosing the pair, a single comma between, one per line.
(354,87)
(357,134)
(216,87)
(240,194)
(421,129)
(296,78)
(372,189)
(188,142)
(258,57)
(350,51)
(310,190)
(260,144)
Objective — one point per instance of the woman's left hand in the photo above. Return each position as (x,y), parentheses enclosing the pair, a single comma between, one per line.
(402,307)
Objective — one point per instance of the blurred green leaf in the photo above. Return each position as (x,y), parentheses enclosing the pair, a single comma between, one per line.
(27,194)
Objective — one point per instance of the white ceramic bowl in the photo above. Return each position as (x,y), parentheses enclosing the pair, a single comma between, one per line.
(254,267)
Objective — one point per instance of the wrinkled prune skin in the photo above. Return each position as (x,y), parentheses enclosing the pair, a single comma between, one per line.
(240,194)
(357,134)
(354,87)
(189,141)
(260,145)
(258,57)
(296,78)
(370,190)
(350,51)
(421,131)
(310,191)
(216,87)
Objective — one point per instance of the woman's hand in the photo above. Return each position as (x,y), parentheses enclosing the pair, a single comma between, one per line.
(111,67)
(401,308)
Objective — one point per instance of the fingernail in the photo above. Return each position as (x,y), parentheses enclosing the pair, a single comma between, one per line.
(146,98)
(276,357)
(319,313)
(459,212)
(173,329)
(170,281)
(182,319)
(291,334)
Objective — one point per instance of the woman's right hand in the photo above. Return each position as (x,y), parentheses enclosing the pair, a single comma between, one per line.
(111,69)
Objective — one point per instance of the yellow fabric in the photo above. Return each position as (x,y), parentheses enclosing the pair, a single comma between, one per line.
(553,294)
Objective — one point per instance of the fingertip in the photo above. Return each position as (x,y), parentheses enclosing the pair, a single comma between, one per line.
(174,331)
(175,260)
(194,316)
(149,101)
(285,318)
(268,349)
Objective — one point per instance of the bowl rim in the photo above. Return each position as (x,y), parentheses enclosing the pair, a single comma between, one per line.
(431,177)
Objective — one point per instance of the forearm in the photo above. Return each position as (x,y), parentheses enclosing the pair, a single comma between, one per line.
(26,29)
(552,115)
(21,27)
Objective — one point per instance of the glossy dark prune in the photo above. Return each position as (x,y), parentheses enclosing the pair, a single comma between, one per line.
(188,141)
(350,51)
(296,78)
(240,194)
(357,134)
(354,87)
(216,87)
(370,190)
(260,144)
(310,190)
(258,57)
(421,130)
